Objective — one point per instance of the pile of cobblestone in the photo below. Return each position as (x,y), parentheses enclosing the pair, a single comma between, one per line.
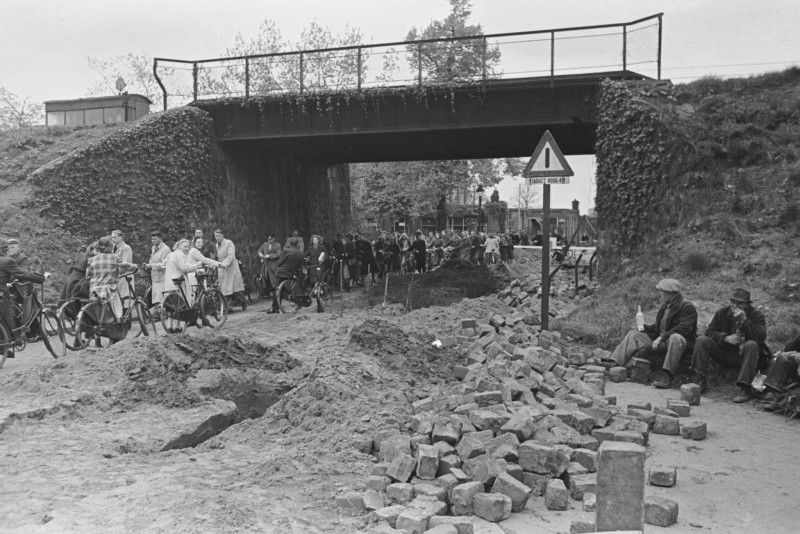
(525,421)
(525,294)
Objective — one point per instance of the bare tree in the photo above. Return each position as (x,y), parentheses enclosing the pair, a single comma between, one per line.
(135,68)
(528,196)
(17,112)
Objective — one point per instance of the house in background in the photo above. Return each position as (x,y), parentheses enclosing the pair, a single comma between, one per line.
(97,110)
(569,223)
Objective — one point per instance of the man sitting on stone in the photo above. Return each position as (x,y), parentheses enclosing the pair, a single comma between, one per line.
(735,338)
(784,370)
(674,330)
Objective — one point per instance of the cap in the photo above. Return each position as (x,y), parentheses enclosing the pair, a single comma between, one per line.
(741,295)
(670,285)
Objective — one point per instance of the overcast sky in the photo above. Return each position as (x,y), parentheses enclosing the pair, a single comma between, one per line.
(44,43)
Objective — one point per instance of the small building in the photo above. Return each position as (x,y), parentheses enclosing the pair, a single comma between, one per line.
(569,223)
(96,110)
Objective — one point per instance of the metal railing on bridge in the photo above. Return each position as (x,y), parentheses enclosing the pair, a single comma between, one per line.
(629,46)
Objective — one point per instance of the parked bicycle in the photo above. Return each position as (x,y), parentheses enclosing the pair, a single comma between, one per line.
(252,283)
(294,293)
(97,323)
(209,307)
(36,323)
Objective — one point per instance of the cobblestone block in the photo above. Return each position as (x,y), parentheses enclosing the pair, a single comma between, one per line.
(662,475)
(388,514)
(401,468)
(393,447)
(463,525)
(469,323)
(579,485)
(620,487)
(680,407)
(581,526)
(400,493)
(487,419)
(373,500)
(449,432)
(487,398)
(441,529)
(536,482)
(630,436)
(413,520)
(492,507)
(556,496)
(448,463)
(470,447)
(589,502)
(462,495)
(352,500)
(659,410)
(695,430)
(422,405)
(515,470)
(513,489)
(691,394)
(587,458)
(618,374)
(667,425)
(522,426)
(378,483)
(660,511)
(429,489)
(484,468)
(427,461)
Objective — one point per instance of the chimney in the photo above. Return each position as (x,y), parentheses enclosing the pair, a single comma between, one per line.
(575,205)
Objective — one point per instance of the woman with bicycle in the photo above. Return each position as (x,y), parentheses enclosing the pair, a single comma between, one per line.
(103,271)
(316,254)
(195,256)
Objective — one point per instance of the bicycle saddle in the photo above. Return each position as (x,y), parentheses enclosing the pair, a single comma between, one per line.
(178,280)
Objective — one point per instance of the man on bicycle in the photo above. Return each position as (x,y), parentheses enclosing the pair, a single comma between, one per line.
(290,261)
(269,253)
(10,270)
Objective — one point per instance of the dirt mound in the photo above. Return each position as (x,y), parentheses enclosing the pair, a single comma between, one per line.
(453,281)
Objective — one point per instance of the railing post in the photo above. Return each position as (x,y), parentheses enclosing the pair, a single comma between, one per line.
(419,64)
(624,47)
(163,89)
(659,46)
(484,58)
(194,77)
(552,58)
(301,73)
(247,78)
(358,69)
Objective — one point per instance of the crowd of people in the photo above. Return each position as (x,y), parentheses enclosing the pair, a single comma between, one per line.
(735,337)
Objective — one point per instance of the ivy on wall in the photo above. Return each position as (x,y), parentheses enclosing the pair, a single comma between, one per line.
(156,173)
(639,150)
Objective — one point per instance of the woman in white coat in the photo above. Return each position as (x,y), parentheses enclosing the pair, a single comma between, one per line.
(195,255)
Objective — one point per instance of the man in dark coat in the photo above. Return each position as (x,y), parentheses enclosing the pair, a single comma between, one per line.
(288,265)
(783,371)
(420,252)
(9,270)
(736,337)
(674,330)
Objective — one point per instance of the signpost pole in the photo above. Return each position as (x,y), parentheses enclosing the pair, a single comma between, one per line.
(546,257)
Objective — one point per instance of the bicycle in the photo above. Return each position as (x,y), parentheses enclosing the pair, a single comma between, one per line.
(209,304)
(98,322)
(252,284)
(41,318)
(295,291)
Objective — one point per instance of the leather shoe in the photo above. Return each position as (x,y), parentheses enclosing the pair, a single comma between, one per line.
(743,396)
(701,381)
(664,381)
(271,311)
(244,305)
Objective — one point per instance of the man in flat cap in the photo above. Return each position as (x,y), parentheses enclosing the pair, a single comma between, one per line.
(736,337)
(675,329)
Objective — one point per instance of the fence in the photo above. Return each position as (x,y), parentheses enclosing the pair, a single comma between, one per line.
(630,46)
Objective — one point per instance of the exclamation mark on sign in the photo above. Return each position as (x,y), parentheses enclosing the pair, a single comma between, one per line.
(546,158)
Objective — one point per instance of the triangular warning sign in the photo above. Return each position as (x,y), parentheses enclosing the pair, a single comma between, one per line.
(547,160)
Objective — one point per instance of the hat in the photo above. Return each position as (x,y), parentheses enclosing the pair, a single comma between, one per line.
(742,295)
(12,241)
(294,241)
(670,285)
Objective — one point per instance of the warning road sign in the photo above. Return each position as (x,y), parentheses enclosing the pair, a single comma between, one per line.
(547,160)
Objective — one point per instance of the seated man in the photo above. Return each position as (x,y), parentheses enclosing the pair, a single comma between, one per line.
(674,330)
(784,370)
(735,338)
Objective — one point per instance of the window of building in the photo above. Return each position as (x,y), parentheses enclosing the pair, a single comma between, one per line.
(112,115)
(94,116)
(55,118)
(75,118)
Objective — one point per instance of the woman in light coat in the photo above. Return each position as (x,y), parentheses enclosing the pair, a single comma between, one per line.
(195,255)
(230,277)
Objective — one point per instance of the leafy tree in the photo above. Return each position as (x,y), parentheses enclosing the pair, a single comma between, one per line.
(527,196)
(453,61)
(17,112)
(422,188)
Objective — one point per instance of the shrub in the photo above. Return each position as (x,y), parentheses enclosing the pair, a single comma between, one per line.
(698,262)
(790,214)
(794,178)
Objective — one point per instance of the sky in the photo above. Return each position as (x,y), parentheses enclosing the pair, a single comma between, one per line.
(44,44)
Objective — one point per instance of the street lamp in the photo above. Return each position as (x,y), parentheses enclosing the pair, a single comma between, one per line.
(479,190)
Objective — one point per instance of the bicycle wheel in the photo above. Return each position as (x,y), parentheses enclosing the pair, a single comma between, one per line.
(67,317)
(285,305)
(325,295)
(52,333)
(5,344)
(214,308)
(255,289)
(147,327)
(89,325)
(173,304)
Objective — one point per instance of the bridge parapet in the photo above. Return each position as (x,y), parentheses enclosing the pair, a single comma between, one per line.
(628,46)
